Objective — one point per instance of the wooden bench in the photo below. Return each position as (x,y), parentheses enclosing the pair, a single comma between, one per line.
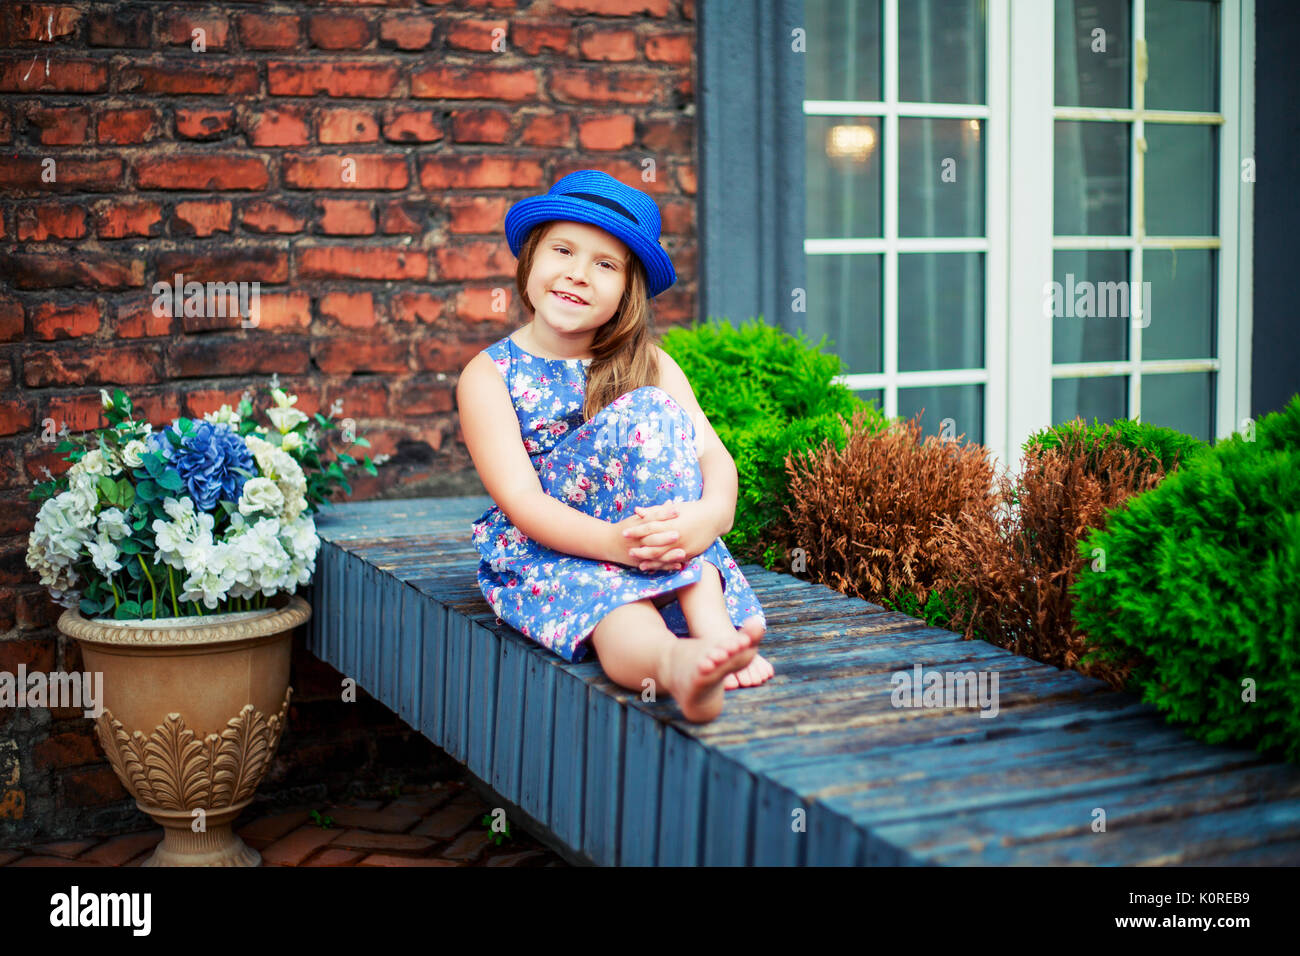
(815,767)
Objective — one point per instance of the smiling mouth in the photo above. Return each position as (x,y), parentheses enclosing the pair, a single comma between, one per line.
(567,297)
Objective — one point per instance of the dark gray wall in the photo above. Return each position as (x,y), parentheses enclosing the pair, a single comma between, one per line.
(751,159)
(1275,359)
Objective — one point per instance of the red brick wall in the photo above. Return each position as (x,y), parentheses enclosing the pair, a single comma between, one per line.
(224,165)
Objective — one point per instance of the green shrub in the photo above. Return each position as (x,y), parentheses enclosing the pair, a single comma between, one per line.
(767,394)
(1201,587)
(1169,445)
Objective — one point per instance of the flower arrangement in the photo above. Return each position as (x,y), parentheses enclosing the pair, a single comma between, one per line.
(213,513)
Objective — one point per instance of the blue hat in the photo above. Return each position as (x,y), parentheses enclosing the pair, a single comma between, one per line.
(591,196)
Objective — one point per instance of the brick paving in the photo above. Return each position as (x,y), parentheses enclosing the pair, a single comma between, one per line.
(438,825)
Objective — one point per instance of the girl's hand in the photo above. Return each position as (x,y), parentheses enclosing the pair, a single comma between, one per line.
(647,551)
(678,531)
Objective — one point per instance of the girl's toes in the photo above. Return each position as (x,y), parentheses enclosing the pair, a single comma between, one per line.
(730,682)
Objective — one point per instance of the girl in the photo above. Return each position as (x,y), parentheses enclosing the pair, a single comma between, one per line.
(605,530)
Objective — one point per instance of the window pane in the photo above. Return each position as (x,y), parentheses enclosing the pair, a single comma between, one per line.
(1089,324)
(843,49)
(940,311)
(874,395)
(1093,49)
(941,47)
(1181,181)
(1104,398)
(1183,400)
(940,177)
(1092,185)
(843,177)
(964,404)
(1183,297)
(1182,55)
(844,305)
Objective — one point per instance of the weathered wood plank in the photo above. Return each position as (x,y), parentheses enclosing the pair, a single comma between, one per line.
(507,749)
(603,762)
(568,759)
(539,731)
(481,694)
(681,800)
(641,776)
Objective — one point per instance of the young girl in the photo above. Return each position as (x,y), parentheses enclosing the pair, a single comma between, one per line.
(611,489)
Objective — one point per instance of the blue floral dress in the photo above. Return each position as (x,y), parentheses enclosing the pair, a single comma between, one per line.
(637,451)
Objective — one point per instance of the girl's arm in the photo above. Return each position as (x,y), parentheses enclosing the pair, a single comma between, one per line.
(507,472)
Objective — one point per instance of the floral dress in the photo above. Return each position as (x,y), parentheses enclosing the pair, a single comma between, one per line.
(637,451)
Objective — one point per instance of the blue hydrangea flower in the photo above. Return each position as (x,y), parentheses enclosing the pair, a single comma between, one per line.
(206,461)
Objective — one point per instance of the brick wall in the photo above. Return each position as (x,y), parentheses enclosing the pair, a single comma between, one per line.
(227,164)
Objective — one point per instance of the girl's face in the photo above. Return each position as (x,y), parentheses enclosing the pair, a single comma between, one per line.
(586,263)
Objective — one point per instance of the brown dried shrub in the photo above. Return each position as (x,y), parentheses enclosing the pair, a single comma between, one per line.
(1019,559)
(869,517)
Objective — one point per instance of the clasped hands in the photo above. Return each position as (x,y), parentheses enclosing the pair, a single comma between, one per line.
(665,537)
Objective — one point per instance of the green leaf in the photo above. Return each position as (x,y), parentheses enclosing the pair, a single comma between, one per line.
(171,480)
(363,442)
(129,546)
(347,459)
(120,402)
(66,446)
(125,493)
(89,607)
(127,609)
(148,491)
(334,470)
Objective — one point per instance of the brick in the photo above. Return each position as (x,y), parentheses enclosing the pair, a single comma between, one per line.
(335,31)
(416,307)
(8,856)
(523,858)
(278,312)
(424,398)
(119,850)
(476,214)
(42,270)
(407,33)
(266,830)
(362,80)
(347,217)
(475,35)
(413,126)
(120,27)
(335,857)
(612,46)
(347,126)
(607,132)
(42,221)
(448,822)
(104,365)
(469,846)
(675,48)
(345,171)
(395,843)
(204,124)
(268,216)
(535,38)
(50,320)
(474,83)
(79,412)
(65,126)
(479,172)
(15,416)
(38,22)
(388,859)
(354,310)
(613,8)
(341,356)
(598,86)
(395,218)
(469,259)
(51,861)
(424,801)
(201,218)
(67,850)
(255,355)
(479,126)
(64,75)
(12,319)
(67,749)
(283,126)
(370,262)
(432,355)
(91,788)
(122,220)
(391,820)
(201,171)
(266,263)
(128,127)
(218,79)
(35,655)
(547,130)
(136,319)
(259,31)
(292,849)
(178,28)
(74,175)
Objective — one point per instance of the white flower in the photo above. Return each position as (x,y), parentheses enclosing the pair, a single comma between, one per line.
(112,524)
(104,553)
(105,399)
(225,415)
(261,494)
(132,451)
(91,463)
(285,419)
(291,441)
(283,400)
(278,465)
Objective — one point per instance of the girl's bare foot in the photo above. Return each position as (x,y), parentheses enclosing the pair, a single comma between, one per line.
(756,672)
(695,668)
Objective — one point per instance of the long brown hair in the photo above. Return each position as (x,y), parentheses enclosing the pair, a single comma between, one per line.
(623,351)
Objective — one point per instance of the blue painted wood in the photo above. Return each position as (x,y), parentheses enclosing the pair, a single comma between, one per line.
(603,761)
(568,759)
(641,776)
(620,781)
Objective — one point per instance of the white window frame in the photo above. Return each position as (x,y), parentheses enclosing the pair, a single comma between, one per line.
(1032,242)
(992,244)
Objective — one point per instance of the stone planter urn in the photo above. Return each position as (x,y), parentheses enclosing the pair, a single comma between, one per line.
(193,711)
